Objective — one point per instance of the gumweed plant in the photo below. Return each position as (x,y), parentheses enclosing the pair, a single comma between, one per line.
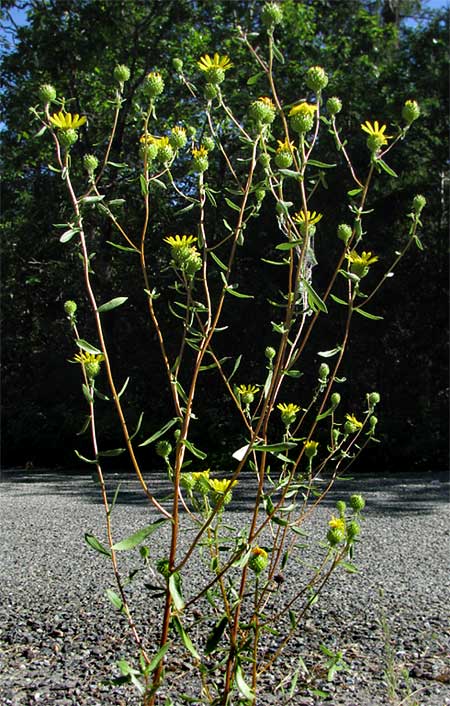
(236,618)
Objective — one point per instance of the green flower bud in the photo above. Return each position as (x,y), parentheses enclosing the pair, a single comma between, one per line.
(283,160)
(302,122)
(176,434)
(47,93)
(67,138)
(410,111)
(193,262)
(90,163)
(341,507)
(373,398)
(353,529)
(187,481)
(92,369)
(316,78)
(336,433)
(70,307)
(260,195)
(177,65)
(163,567)
(334,105)
(373,421)
(258,560)
(144,552)
(335,536)
(153,85)
(324,371)
(357,502)
(200,162)
(350,428)
(178,137)
(121,74)
(344,232)
(335,399)
(270,353)
(265,160)
(163,449)
(419,203)
(208,143)
(149,150)
(210,91)
(191,131)
(271,15)
(263,111)
(165,153)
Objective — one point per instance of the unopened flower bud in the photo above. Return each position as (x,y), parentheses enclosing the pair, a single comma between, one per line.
(154,84)
(258,560)
(284,159)
(121,74)
(373,421)
(353,529)
(177,64)
(373,398)
(163,449)
(208,143)
(344,232)
(270,353)
(335,536)
(410,111)
(265,160)
(187,481)
(357,502)
(334,105)
(47,93)
(90,163)
(324,371)
(341,507)
(178,137)
(165,153)
(70,307)
(419,203)
(335,399)
(163,567)
(316,78)
(271,15)
(263,111)
(260,195)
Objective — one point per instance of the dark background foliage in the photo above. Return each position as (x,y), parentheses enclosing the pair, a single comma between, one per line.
(375,58)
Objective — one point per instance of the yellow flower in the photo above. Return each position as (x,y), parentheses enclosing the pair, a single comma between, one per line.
(310,217)
(337,523)
(199,152)
(267,101)
(67,121)
(217,62)
(288,408)
(180,241)
(311,448)
(247,389)
(199,475)
(303,109)
(352,420)
(221,486)
(359,264)
(376,131)
(85,358)
(149,140)
(286,146)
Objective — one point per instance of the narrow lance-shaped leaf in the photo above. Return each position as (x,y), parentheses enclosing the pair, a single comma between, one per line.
(134,539)
(94,543)
(112,304)
(185,639)
(160,432)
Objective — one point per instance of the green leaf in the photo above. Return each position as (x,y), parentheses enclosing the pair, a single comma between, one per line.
(381,163)
(112,304)
(215,635)
(174,580)
(283,446)
(321,165)
(158,657)
(315,302)
(241,684)
(122,247)
(95,544)
(290,173)
(355,192)
(92,199)
(112,452)
(160,432)
(330,353)
(232,205)
(277,54)
(196,452)
(350,568)
(144,185)
(118,165)
(138,426)
(87,393)
(68,235)
(236,366)
(83,458)
(185,639)
(237,294)
(134,539)
(255,78)
(116,202)
(158,182)
(88,347)
(218,261)
(114,598)
(288,246)
(184,210)
(124,387)
(337,300)
(367,315)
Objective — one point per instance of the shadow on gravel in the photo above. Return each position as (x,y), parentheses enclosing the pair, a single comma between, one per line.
(391,494)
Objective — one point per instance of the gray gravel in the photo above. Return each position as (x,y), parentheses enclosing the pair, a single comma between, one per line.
(59,638)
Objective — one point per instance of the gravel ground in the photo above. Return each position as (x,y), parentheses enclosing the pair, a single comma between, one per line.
(59,637)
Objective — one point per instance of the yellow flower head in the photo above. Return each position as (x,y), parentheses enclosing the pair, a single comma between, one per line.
(288,408)
(216,62)
(200,475)
(352,419)
(67,121)
(149,140)
(286,146)
(303,109)
(267,101)
(180,241)
(221,486)
(337,523)
(247,389)
(84,358)
(199,152)
(310,217)
(311,448)
(363,260)
(376,131)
